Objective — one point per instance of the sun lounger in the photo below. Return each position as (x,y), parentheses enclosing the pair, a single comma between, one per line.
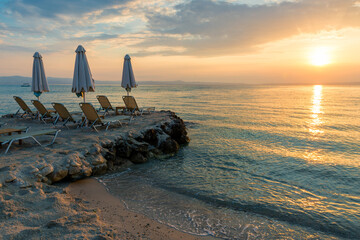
(44,113)
(95,119)
(104,103)
(24,107)
(65,115)
(12,138)
(131,105)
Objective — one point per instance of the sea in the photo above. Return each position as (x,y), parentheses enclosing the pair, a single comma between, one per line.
(264,162)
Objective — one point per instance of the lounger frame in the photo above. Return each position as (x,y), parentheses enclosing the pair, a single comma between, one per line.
(23,106)
(65,115)
(131,105)
(12,138)
(43,112)
(94,118)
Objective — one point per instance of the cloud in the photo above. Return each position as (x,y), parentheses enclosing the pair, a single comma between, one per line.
(214,28)
(52,9)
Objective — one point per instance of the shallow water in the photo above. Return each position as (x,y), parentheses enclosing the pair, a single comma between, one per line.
(264,162)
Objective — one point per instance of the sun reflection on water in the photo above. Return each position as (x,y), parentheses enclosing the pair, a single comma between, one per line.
(316,111)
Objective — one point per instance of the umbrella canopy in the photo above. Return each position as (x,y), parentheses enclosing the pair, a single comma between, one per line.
(82,80)
(128,79)
(39,82)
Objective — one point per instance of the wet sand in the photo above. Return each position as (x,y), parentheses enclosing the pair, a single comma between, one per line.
(112,211)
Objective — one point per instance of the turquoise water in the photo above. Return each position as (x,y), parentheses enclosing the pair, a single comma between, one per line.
(264,162)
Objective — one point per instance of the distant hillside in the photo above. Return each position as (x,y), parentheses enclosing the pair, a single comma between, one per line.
(18,80)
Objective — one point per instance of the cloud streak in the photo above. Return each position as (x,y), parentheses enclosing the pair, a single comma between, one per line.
(52,9)
(229,28)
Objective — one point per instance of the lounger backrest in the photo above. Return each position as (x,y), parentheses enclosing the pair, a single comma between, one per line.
(104,102)
(90,112)
(22,104)
(62,111)
(130,103)
(40,107)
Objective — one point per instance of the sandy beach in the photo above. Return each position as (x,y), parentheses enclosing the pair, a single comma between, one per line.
(37,201)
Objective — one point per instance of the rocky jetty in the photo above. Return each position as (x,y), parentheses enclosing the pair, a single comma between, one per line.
(135,146)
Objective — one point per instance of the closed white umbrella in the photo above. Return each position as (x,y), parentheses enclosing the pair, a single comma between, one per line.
(82,80)
(39,82)
(128,79)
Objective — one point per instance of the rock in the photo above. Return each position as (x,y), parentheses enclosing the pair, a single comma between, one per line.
(24,184)
(138,158)
(122,149)
(95,149)
(176,130)
(47,170)
(97,160)
(169,146)
(108,155)
(107,143)
(53,223)
(35,171)
(119,161)
(150,136)
(10,178)
(74,170)
(87,171)
(58,174)
(99,169)
(137,146)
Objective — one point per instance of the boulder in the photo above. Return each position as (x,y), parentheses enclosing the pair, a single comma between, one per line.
(150,136)
(58,174)
(138,158)
(122,149)
(97,160)
(99,169)
(47,170)
(169,146)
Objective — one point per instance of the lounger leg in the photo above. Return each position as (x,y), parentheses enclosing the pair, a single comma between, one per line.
(83,122)
(66,121)
(17,111)
(56,120)
(7,149)
(93,126)
(36,140)
(55,135)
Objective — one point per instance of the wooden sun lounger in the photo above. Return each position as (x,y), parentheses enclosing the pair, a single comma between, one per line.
(93,117)
(12,138)
(132,106)
(65,115)
(44,113)
(106,105)
(23,106)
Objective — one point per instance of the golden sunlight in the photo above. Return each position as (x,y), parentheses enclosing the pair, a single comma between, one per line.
(320,57)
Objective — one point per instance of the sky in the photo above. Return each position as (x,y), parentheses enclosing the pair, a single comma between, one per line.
(242,41)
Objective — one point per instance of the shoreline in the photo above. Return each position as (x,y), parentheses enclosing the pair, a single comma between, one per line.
(128,224)
(33,207)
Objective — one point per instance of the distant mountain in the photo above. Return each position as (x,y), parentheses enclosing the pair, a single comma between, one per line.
(18,80)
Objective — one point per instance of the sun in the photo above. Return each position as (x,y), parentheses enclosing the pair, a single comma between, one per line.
(320,57)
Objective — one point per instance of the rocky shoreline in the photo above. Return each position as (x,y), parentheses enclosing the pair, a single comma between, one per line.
(42,196)
(107,155)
